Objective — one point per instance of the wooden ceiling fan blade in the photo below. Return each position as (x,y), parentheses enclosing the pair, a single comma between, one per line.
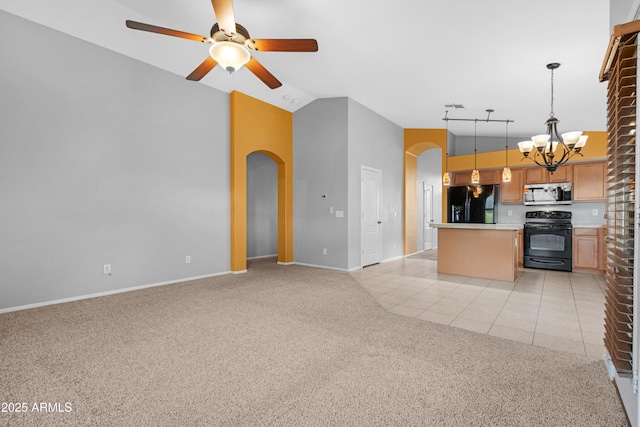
(166,31)
(262,73)
(224,14)
(202,70)
(285,45)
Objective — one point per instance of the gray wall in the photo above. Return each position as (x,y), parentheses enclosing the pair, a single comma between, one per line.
(621,11)
(463,144)
(104,160)
(320,168)
(377,143)
(262,206)
(333,139)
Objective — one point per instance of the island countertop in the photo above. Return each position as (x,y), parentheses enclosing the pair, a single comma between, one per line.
(479,226)
(488,251)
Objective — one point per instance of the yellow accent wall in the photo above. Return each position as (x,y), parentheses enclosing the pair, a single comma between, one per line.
(258,126)
(417,141)
(596,148)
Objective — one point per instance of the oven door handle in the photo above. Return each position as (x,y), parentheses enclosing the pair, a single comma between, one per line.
(546,261)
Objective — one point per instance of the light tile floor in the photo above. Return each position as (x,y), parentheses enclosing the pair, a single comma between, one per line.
(558,310)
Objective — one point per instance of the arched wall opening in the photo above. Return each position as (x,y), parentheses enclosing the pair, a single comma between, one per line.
(416,141)
(429,173)
(262,206)
(260,127)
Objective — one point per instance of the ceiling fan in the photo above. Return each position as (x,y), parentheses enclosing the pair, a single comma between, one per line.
(231,45)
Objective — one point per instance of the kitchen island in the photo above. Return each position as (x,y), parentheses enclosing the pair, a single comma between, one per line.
(488,251)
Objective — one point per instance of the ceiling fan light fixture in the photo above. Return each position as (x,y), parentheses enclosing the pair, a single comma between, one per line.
(230,55)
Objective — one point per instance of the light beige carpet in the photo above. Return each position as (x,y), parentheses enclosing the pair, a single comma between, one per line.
(283,346)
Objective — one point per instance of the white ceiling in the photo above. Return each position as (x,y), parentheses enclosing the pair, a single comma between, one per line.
(404,60)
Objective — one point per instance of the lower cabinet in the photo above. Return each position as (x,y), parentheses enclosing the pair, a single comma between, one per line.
(587,248)
(520,247)
(512,192)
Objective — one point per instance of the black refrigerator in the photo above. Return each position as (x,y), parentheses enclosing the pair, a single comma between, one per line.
(476,204)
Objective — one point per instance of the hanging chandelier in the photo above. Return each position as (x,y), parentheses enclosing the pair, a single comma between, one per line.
(545,148)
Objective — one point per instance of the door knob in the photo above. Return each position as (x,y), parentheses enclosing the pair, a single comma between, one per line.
(379,222)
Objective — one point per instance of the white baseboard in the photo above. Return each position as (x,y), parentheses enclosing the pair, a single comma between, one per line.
(239,272)
(321,266)
(393,259)
(106,293)
(263,256)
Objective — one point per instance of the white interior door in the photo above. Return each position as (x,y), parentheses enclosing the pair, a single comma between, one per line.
(428,216)
(370,217)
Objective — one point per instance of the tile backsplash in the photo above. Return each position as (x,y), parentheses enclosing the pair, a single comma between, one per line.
(583,212)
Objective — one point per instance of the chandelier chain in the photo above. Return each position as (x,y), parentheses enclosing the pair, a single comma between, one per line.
(551,114)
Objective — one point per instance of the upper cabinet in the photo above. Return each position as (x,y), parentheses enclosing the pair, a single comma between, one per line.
(539,175)
(512,192)
(535,175)
(487,176)
(563,174)
(460,178)
(588,181)
(490,176)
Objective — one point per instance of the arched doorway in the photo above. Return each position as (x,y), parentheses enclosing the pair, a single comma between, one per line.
(262,206)
(417,141)
(260,127)
(429,198)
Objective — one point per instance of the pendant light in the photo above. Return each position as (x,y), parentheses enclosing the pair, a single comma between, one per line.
(506,172)
(446,177)
(475,175)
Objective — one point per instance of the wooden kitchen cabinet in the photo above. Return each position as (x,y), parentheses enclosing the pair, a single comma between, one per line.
(487,177)
(460,178)
(535,175)
(520,247)
(539,175)
(512,192)
(563,174)
(490,176)
(602,249)
(589,181)
(586,248)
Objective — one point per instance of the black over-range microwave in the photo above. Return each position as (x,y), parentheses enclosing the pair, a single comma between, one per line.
(547,194)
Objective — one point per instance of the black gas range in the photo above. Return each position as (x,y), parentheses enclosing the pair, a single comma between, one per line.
(548,240)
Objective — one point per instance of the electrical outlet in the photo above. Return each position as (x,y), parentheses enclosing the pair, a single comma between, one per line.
(188,259)
(324,251)
(594,212)
(107,269)
(509,212)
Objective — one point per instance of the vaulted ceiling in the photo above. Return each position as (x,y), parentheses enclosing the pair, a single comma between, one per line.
(404,60)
